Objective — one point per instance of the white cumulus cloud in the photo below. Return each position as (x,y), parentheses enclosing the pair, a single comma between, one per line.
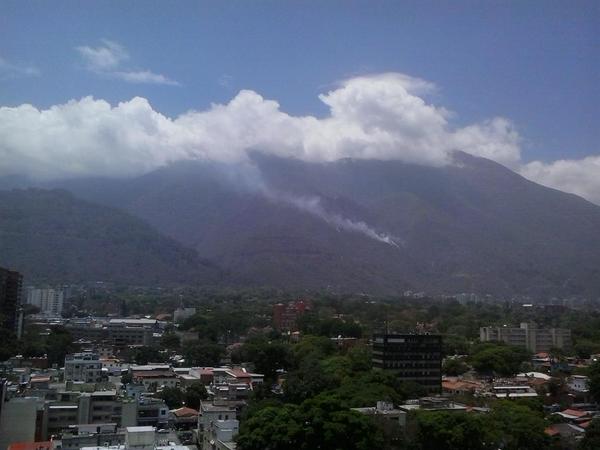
(108,59)
(384,116)
(577,176)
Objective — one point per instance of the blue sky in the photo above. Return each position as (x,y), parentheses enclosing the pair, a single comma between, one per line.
(535,63)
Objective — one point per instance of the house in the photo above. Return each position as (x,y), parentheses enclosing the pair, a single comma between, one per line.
(154,376)
(457,386)
(184,418)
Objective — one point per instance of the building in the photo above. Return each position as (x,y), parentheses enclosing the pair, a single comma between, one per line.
(220,435)
(285,316)
(83,367)
(154,376)
(125,332)
(49,301)
(139,438)
(385,410)
(79,436)
(217,422)
(19,421)
(412,357)
(181,313)
(10,300)
(152,412)
(529,336)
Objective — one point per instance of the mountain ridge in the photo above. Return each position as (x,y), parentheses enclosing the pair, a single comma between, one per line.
(471,226)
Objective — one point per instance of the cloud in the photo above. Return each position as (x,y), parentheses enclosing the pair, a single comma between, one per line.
(11,70)
(581,177)
(376,116)
(108,56)
(383,116)
(107,60)
(145,76)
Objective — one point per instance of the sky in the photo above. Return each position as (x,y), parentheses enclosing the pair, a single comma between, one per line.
(120,88)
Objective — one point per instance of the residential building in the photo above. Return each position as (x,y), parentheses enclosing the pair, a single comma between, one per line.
(49,301)
(285,316)
(154,376)
(83,367)
(139,438)
(217,422)
(411,357)
(19,421)
(529,336)
(385,410)
(184,417)
(220,435)
(11,317)
(152,412)
(126,332)
(78,436)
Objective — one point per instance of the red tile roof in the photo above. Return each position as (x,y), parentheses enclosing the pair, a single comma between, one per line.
(45,445)
(185,412)
(575,412)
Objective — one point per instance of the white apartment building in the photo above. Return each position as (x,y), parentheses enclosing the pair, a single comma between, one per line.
(50,301)
(84,367)
(529,336)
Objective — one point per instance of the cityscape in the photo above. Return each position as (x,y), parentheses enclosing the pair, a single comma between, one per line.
(300,225)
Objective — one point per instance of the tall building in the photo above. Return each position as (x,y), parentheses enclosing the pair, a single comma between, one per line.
(412,357)
(10,299)
(529,336)
(49,301)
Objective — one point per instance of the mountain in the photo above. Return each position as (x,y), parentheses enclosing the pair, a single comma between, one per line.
(51,236)
(367,225)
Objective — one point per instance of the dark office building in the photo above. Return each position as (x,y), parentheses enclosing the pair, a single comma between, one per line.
(413,357)
(10,298)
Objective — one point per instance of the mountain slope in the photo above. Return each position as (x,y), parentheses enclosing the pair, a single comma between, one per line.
(55,237)
(473,226)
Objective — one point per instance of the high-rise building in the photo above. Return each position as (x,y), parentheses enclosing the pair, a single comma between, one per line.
(529,336)
(411,357)
(10,299)
(49,301)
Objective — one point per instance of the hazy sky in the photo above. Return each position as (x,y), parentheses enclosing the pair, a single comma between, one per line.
(514,81)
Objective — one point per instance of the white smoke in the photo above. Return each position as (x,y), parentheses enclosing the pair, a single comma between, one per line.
(313,206)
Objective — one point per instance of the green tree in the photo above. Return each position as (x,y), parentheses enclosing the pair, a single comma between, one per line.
(520,426)
(454,367)
(453,431)
(322,423)
(126,378)
(498,358)
(203,353)
(172,396)
(170,340)
(591,440)
(267,356)
(194,393)
(146,354)
(594,381)
(58,344)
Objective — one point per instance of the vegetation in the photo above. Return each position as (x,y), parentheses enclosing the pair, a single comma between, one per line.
(315,423)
